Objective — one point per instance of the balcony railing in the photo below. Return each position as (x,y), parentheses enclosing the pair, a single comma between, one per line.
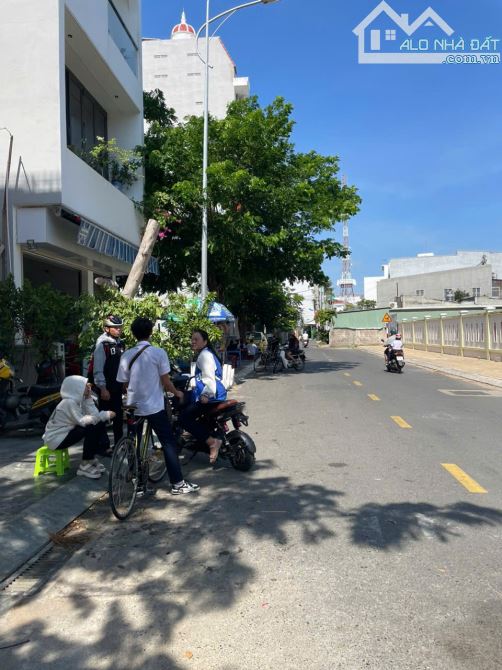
(122,38)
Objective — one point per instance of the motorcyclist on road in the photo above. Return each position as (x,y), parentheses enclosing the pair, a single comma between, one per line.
(392,345)
(292,350)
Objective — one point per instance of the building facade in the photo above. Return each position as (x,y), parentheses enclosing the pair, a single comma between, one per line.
(173,66)
(77,77)
(429,279)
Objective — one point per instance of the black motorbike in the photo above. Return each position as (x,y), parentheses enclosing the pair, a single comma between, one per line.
(23,407)
(394,359)
(237,446)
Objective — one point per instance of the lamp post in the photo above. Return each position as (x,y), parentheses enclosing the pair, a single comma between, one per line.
(205,148)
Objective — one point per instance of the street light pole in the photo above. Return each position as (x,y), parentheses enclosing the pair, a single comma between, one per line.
(205,147)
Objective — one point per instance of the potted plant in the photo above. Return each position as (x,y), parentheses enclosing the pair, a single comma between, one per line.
(119,165)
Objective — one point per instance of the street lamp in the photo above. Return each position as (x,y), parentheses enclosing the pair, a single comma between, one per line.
(222,15)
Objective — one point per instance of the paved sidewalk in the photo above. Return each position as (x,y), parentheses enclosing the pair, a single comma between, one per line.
(472,369)
(32,508)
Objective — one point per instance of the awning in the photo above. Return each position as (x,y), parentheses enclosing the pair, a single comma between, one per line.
(93,237)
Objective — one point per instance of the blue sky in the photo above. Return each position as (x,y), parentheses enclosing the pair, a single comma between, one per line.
(423,143)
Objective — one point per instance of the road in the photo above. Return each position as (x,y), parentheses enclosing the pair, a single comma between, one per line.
(349,546)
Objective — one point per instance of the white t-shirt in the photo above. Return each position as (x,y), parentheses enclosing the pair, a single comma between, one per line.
(145,388)
(397,345)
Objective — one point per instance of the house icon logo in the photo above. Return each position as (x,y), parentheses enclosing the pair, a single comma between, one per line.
(387,37)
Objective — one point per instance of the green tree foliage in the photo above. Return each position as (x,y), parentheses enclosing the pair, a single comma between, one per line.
(10,316)
(271,209)
(270,305)
(178,314)
(324,317)
(460,295)
(366,304)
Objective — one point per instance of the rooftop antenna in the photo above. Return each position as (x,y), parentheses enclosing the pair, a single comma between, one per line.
(346,283)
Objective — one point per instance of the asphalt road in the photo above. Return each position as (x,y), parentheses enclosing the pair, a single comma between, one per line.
(349,546)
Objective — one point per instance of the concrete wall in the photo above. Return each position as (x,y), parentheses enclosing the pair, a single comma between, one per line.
(173,67)
(401,267)
(433,285)
(348,337)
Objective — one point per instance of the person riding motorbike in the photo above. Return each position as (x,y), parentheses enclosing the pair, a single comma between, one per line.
(208,389)
(396,344)
(293,348)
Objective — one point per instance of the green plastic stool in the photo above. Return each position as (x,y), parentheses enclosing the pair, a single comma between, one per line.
(51,460)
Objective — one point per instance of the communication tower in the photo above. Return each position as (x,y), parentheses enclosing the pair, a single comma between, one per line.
(346,283)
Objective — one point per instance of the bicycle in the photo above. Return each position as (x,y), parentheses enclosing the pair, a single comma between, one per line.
(136,460)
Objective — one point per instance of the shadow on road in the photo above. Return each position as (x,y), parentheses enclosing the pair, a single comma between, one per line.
(393,525)
(175,558)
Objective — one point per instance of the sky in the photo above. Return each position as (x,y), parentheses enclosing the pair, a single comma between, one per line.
(422,143)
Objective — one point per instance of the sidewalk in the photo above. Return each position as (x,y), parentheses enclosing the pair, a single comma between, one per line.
(472,369)
(32,508)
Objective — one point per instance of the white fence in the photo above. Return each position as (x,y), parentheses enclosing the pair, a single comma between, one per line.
(475,335)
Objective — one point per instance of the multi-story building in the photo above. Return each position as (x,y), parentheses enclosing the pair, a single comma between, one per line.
(429,279)
(173,66)
(71,72)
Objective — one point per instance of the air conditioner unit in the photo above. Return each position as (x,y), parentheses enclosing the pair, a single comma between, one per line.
(393,305)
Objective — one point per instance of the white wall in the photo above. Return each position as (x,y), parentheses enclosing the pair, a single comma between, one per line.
(183,87)
(400,267)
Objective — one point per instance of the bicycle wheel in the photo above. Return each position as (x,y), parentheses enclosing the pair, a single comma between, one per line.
(156,462)
(278,366)
(123,478)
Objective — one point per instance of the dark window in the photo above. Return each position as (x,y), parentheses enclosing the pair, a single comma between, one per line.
(86,120)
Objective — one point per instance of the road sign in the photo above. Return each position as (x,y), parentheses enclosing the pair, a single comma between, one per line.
(386,318)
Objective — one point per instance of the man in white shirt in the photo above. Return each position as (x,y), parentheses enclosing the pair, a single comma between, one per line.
(145,369)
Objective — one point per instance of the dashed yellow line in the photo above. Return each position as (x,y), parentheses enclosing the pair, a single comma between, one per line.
(357,383)
(372,396)
(346,374)
(468,482)
(400,422)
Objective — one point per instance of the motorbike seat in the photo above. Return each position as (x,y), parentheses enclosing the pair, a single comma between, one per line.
(41,390)
(215,408)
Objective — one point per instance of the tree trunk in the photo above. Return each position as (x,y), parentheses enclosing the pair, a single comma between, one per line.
(141,261)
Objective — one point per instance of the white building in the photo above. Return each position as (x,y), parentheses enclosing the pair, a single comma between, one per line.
(370,284)
(173,66)
(71,71)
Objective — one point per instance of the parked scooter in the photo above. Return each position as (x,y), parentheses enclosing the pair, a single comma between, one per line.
(237,446)
(25,406)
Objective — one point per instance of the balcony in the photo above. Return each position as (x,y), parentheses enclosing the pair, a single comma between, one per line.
(122,38)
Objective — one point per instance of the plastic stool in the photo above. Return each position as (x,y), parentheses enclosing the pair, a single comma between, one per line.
(51,460)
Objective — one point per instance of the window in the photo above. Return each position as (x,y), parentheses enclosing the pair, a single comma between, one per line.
(119,33)
(476,292)
(419,291)
(194,74)
(496,292)
(193,53)
(448,294)
(160,76)
(160,56)
(390,35)
(86,120)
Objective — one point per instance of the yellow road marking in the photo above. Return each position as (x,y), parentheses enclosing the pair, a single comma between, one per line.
(357,383)
(346,374)
(400,422)
(372,396)
(470,484)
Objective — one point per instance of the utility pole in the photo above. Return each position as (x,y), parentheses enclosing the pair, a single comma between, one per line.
(5,242)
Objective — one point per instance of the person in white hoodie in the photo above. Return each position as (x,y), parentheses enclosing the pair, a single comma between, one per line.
(75,418)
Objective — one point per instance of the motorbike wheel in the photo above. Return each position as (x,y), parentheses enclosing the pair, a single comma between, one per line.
(156,462)
(299,364)
(240,457)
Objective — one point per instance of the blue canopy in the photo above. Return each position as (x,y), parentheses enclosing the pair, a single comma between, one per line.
(218,312)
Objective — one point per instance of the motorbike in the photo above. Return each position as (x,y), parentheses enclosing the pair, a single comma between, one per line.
(297,361)
(24,407)
(237,446)
(395,359)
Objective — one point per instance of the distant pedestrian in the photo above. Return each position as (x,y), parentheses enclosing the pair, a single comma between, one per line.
(106,361)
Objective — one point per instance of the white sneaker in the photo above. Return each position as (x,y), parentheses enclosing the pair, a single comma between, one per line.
(98,465)
(88,470)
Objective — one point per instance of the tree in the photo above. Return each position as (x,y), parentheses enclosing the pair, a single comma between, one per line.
(271,209)
(460,295)
(366,304)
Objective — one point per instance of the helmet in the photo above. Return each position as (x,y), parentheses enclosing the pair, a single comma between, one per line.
(398,336)
(113,321)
